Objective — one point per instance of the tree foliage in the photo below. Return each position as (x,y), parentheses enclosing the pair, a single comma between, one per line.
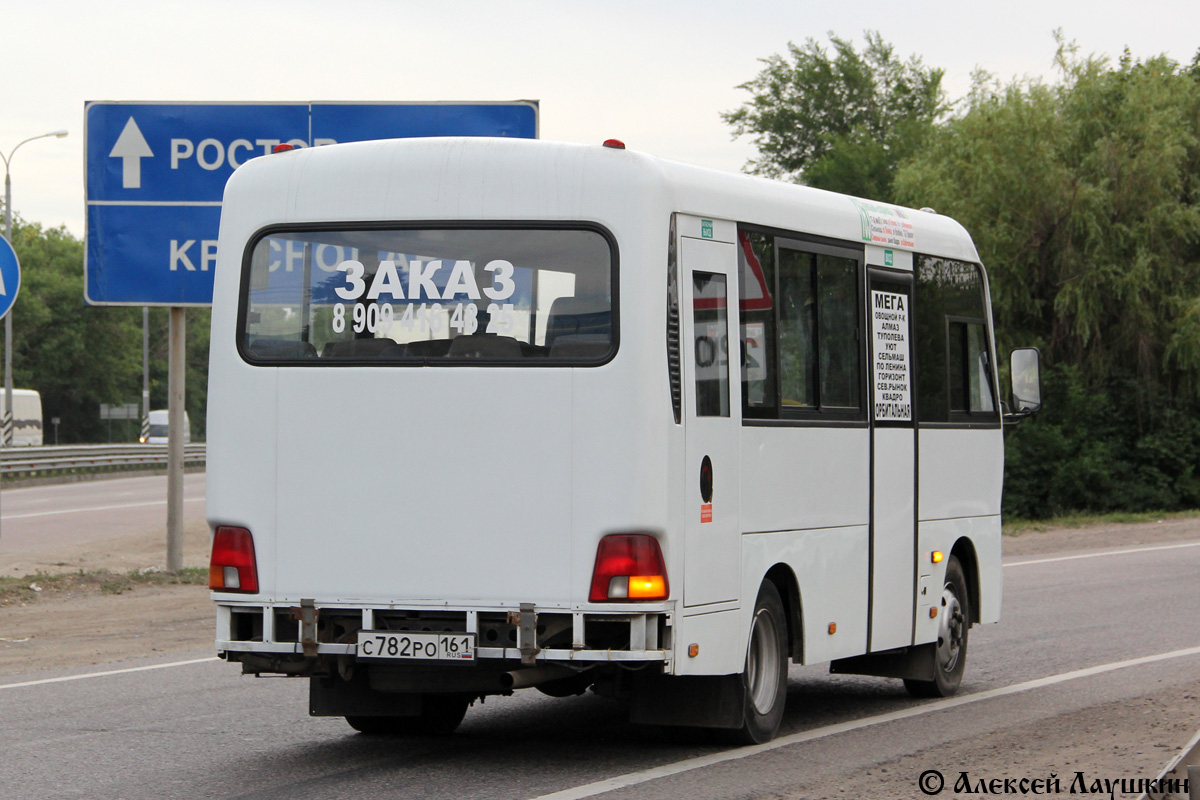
(843,120)
(79,356)
(1083,200)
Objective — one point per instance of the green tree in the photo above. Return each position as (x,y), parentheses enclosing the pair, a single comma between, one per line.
(1084,201)
(1083,198)
(842,121)
(76,356)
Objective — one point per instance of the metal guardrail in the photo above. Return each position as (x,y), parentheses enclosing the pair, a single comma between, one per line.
(14,460)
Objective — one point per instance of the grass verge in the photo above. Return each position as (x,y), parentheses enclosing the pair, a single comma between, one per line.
(1012,527)
(42,584)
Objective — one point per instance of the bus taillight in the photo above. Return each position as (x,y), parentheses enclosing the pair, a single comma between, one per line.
(232,567)
(629,566)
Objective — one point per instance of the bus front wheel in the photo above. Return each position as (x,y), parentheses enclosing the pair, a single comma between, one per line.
(954,622)
(765,679)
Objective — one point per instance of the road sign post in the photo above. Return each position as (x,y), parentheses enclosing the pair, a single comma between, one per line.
(10,284)
(154,177)
(175,420)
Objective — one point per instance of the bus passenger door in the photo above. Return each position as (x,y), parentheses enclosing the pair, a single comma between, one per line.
(712,420)
(893,460)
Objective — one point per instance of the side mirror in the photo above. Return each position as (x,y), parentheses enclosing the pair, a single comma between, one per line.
(1025,369)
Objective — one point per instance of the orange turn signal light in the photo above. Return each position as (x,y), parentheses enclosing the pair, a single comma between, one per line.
(643,587)
(937,557)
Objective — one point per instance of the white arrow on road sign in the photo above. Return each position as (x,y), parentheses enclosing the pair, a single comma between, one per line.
(131,148)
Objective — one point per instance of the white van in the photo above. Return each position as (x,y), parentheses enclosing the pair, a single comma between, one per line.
(27,417)
(158,428)
(529,414)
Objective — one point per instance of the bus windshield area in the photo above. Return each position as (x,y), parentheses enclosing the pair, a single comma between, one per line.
(427,296)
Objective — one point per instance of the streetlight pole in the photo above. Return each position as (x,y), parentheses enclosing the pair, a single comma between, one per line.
(8,381)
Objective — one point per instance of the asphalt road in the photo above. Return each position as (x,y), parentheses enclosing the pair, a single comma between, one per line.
(48,516)
(199,730)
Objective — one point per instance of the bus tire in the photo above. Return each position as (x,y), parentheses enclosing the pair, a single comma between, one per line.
(440,715)
(954,623)
(765,679)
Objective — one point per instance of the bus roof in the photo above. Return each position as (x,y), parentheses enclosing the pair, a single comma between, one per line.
(477,178)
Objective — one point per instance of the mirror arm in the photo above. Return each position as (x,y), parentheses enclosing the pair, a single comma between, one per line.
(1012,419)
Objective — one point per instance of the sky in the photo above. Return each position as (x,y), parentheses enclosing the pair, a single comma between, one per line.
(655,74)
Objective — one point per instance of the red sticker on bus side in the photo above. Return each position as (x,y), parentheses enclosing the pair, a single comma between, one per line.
(706,512)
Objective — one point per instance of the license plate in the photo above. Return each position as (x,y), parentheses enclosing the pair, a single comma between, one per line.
(417,646)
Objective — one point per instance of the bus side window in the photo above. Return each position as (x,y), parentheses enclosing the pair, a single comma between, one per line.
(756,290)
(711,325)
(954,369)
(969,367)
(797,329)
(801,348)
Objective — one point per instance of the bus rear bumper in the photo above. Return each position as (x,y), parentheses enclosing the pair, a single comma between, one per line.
(525,635)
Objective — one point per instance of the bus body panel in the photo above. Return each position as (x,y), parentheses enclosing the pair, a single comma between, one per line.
(961,472)
(421,500)
(782,482)
(831,570)
(983,534)
(720,634)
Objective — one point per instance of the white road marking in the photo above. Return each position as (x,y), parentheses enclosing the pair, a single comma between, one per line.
(98,508)
(1127,551)
(687,765)
(106,673)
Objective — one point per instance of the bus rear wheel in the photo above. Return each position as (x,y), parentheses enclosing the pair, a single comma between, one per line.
(765,679)
(954,623)
(440,715)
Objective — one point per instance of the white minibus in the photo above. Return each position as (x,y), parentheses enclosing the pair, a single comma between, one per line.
(26,417)
(487,414)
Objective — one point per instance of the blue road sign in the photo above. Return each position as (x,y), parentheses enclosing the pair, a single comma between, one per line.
(155,174)
(10,277)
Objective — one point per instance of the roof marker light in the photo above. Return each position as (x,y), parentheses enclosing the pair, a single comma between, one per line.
(282,147)
(615,144)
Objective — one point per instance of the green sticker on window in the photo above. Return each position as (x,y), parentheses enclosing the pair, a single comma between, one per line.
(706,229)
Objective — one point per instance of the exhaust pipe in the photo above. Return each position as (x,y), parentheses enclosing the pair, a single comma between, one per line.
(523,678)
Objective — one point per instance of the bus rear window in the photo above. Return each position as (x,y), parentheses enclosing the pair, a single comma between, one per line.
(426,296)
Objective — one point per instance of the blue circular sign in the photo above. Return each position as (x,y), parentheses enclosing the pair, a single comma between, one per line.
(10,277)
